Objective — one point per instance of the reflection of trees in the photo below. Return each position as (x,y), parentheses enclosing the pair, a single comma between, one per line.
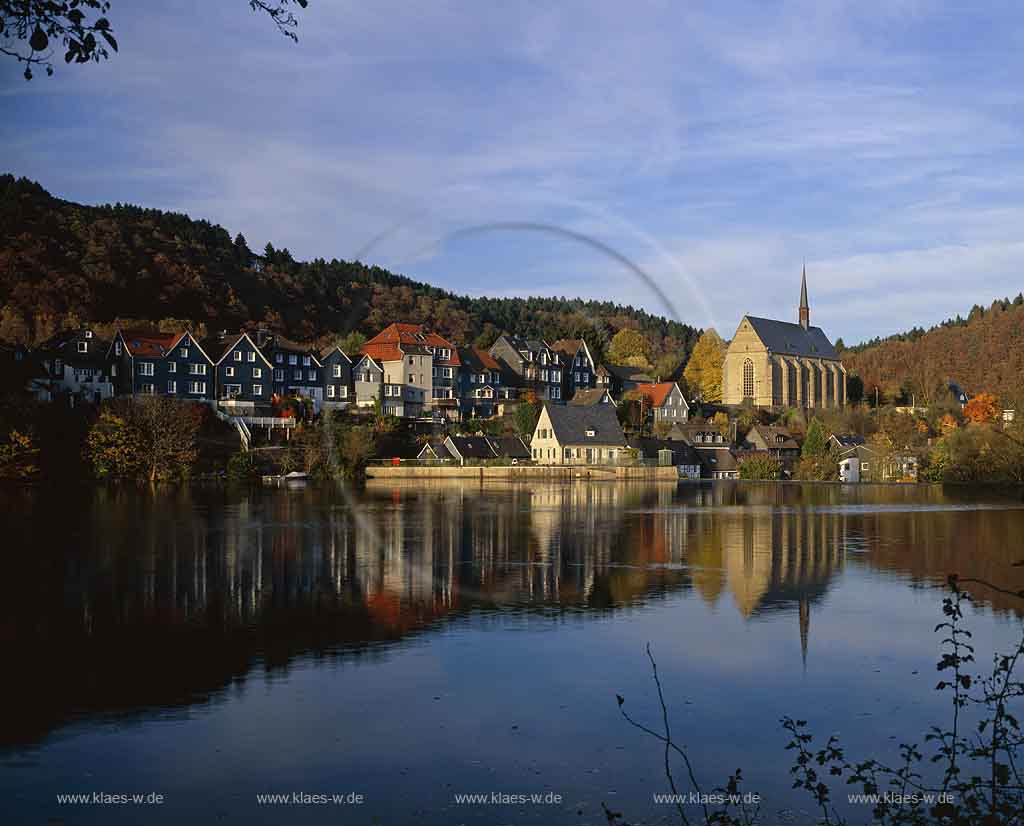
(198,585)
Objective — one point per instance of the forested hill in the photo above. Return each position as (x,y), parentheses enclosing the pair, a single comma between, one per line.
(982,353)
(63,263)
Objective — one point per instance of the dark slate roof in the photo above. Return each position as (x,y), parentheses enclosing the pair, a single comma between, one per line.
(682,453)
(471,447)
(689,432)
(627,372)
(571,423)
(435,449)
(713,459)
(848,440)
(510,447)
(590,395)
(786,338)
(765,437)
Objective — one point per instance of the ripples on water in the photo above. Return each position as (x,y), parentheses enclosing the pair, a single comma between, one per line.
(427,639)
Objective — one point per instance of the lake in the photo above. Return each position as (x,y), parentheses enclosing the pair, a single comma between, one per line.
(401,646)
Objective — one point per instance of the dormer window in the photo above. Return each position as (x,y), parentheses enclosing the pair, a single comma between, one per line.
(591,432)
(83,347)
(88,333)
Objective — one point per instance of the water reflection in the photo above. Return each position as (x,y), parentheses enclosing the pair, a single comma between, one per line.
(117,601)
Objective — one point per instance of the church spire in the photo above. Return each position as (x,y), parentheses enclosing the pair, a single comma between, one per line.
(805,308)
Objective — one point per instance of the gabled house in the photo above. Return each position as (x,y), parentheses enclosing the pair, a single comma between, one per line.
(624,377)
(434,452)
(155,363)
(666,400)
(580,369)
(367,381)
(469,448)
(296,367)
(244,377)
(407,362)
(481,389)
(774,440)
(536,366)
(76,366)
(594,395)
(717,463)
(577,435)
(337,373)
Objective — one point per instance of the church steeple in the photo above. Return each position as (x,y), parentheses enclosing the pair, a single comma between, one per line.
(805,308)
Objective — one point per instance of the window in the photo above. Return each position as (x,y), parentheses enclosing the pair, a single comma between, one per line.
(172,387)
(197,387)
(410,359)
(279,375)
(83,347)
(88,333)
(556,392)
(337,371)
(447,372)
(297,374)
(311,375)
(293,359)
(252,355)
(330,391)
(257,389)
(556,375)
(149,389)
(864,466)
(412,378)
(278,358)
(117,348)
(229,372)
(172,367)
(197,369)
(146,368)
(238,355)
(305,361)
(748,379)
(257,373)
(232,390)
(183,352)
(343,391)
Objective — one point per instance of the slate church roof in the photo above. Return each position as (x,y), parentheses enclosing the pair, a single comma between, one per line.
(788,339)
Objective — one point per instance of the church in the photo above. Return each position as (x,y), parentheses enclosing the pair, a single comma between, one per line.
(773,363)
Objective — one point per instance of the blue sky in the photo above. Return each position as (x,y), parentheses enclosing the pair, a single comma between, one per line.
(715,145)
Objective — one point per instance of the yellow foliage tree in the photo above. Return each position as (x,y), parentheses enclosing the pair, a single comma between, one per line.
(703,371)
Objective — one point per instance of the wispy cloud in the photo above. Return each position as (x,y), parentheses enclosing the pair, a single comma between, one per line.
(716,147)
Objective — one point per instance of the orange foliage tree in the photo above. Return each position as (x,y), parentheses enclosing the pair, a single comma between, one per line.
(982,408)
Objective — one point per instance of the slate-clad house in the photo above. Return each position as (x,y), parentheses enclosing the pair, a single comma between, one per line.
(367,381)
(667,401)
(296,367)
(469,449)
(76,366)
(337,375)
(577,435)
(666,452)
(580,371)
(621,378)
(480,383)
(244,377)
(165,364)
(536,366)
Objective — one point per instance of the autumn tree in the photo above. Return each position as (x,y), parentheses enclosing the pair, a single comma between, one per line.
(815,442)
(703,372)
(629,347)
(947,424)
(982,409)
(113,448)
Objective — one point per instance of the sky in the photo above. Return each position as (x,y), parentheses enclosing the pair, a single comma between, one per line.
(716,147)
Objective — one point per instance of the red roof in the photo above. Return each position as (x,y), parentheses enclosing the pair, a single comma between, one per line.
(486,359)
(381,351)
(657,393)
(148,344)
(400,335)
